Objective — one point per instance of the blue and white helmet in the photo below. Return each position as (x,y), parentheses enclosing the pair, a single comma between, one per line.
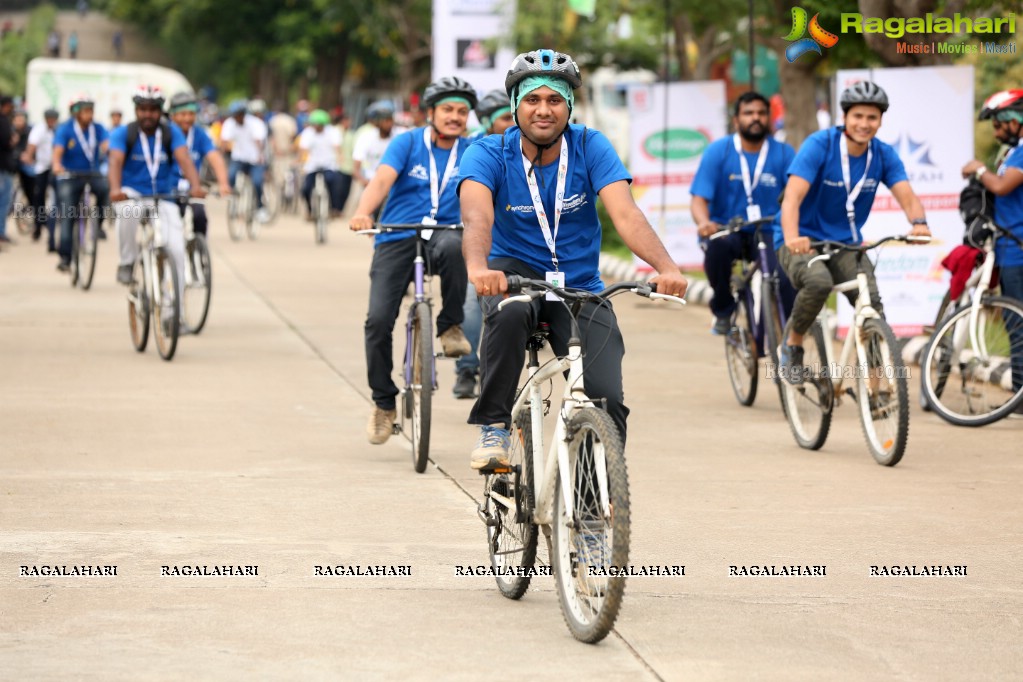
(542,62)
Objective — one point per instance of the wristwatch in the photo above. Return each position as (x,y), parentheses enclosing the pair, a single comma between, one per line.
(918,221)
(979,172)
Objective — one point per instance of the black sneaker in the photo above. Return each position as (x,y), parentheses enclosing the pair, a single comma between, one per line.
(722,325)
(790,364)
(63,266)
(124,274)
(465,384)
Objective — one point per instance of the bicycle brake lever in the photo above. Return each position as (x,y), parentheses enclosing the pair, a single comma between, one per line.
(520,298)
(917,239)
(667,297)
(823,256)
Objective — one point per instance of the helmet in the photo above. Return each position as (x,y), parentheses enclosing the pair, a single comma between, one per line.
(491,102)
(238,106)
(1011,100)
(864,92)
(542,62)
(257,107)
(319,117)
(184,100)
(448,86)
(81,99)
(148,94)
(51,113)
(379,110)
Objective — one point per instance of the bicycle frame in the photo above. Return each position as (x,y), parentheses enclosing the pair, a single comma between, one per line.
(419,279)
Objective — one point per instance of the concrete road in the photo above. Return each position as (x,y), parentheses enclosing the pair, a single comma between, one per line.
(248,450)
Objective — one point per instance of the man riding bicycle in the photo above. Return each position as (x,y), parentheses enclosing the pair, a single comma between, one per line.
(78,146)
(183,109)
(831,188)
(416,176)
(244,137)
(319,144)
(511,187)
(1005,109)
(740,175)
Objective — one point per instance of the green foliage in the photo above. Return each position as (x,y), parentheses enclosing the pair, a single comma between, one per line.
(16,51)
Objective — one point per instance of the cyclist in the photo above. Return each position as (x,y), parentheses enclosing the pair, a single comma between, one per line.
(370,145)
(740,175)
(1005,109)
(546,167)
(494,113)
(320,144)
(142,158)
(244,137)
(830,190)
(416,176)
(39,154)
(78,146)
(115,117)
(184,106)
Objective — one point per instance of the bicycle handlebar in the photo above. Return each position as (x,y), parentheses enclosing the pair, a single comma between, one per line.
(829,247)
(517,284)
(68,175)
(995,227)
(738,224)
(410,227)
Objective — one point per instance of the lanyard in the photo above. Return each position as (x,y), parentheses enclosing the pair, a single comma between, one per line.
(152,164)
(88,146)
(744,165)
(559,197)
(190,139)
(852,194)
(435,192)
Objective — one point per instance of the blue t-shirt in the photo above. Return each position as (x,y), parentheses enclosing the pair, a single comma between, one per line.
(719,179)
(819,162)
(409,201)
(1009,214)
(74,158)
(135,173)
(202,144)
(496,162)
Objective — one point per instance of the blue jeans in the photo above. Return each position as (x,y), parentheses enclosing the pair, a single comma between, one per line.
(6,197)
(1011,281)
(333,180)
(254,171)
(472,326)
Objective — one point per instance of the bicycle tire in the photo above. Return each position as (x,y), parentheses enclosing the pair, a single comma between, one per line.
(589,601)
(167,314)
(943,310)
(24,220)
(138,306)
(88,249)
(249,207)
(809,406)
(741,349)
(773,332)
(886,422)
(973,400)
(234,218)
(322,212)
(76,237)
(421,388)
(198,255)
(515,534)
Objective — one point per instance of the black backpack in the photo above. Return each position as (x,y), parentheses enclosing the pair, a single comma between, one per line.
(133,137)
(977,209)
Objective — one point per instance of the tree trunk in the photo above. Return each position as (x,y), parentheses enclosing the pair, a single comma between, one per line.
(797,89)
(682,29)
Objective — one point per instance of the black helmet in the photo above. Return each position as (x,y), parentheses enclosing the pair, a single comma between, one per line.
(864,92)
(542,62)
(449,86)
(183,99)
(380,110)
(491,102)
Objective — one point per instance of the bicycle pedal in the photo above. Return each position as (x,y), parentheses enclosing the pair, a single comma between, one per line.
(395,429)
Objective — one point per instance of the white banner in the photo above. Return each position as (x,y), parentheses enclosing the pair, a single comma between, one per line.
(462,30)
(665,149)
(930,124)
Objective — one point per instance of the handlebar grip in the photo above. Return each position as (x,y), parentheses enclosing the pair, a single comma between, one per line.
(653,287)
(514,284)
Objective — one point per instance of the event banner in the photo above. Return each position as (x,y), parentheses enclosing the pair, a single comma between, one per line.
(464,33)
(930,124)
(670,126)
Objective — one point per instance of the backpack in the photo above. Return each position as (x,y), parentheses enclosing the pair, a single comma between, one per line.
(133,137)
(977,209)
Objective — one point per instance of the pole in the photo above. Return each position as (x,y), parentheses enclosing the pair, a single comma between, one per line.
(752,48)
(664,128)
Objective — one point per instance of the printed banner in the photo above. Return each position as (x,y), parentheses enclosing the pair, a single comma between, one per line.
(934,145)
(464,33)
(669,129)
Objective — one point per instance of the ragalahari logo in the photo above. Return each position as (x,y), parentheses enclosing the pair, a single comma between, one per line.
(818,36)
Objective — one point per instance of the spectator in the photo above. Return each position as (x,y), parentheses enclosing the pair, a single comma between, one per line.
(72,44)
(39,153)
(118,42)
(53,43)
(346,164)
(8,163)
(115,118)
(19,121)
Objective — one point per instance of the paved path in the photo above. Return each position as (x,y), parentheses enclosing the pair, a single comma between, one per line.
(248,449)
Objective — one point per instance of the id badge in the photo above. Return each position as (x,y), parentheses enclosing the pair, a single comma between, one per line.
(753,212)
(426,234)
(555,279)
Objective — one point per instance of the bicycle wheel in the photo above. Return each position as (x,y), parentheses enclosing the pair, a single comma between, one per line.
(882,393)
(271,200)
(943,309)
(589,548)
(248,201)
(166,312)
(138,306)
(508,503)
(971,385)
(235,225)
(322,211)
(23,218)
(88,246)
(772,335)
(808,406)
(76,245)
(421,388)
(741,349)
(198,283)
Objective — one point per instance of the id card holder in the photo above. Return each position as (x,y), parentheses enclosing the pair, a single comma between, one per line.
(753,212)
(555,279)
(426,234)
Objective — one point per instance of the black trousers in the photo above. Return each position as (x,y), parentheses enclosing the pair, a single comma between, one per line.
(503,350)
(199,220)
(390,273)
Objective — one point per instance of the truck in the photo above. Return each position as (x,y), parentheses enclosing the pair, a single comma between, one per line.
(51,83)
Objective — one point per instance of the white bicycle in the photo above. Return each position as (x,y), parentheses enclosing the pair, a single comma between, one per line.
(579,495)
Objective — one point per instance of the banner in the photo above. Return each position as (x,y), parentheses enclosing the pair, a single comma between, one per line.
(670,126)
(930,124)
(463,31)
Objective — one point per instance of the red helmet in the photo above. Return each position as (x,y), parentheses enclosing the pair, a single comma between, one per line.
(148,94)
(1001,101)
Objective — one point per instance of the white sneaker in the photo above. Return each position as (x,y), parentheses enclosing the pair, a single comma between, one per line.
(263,215)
